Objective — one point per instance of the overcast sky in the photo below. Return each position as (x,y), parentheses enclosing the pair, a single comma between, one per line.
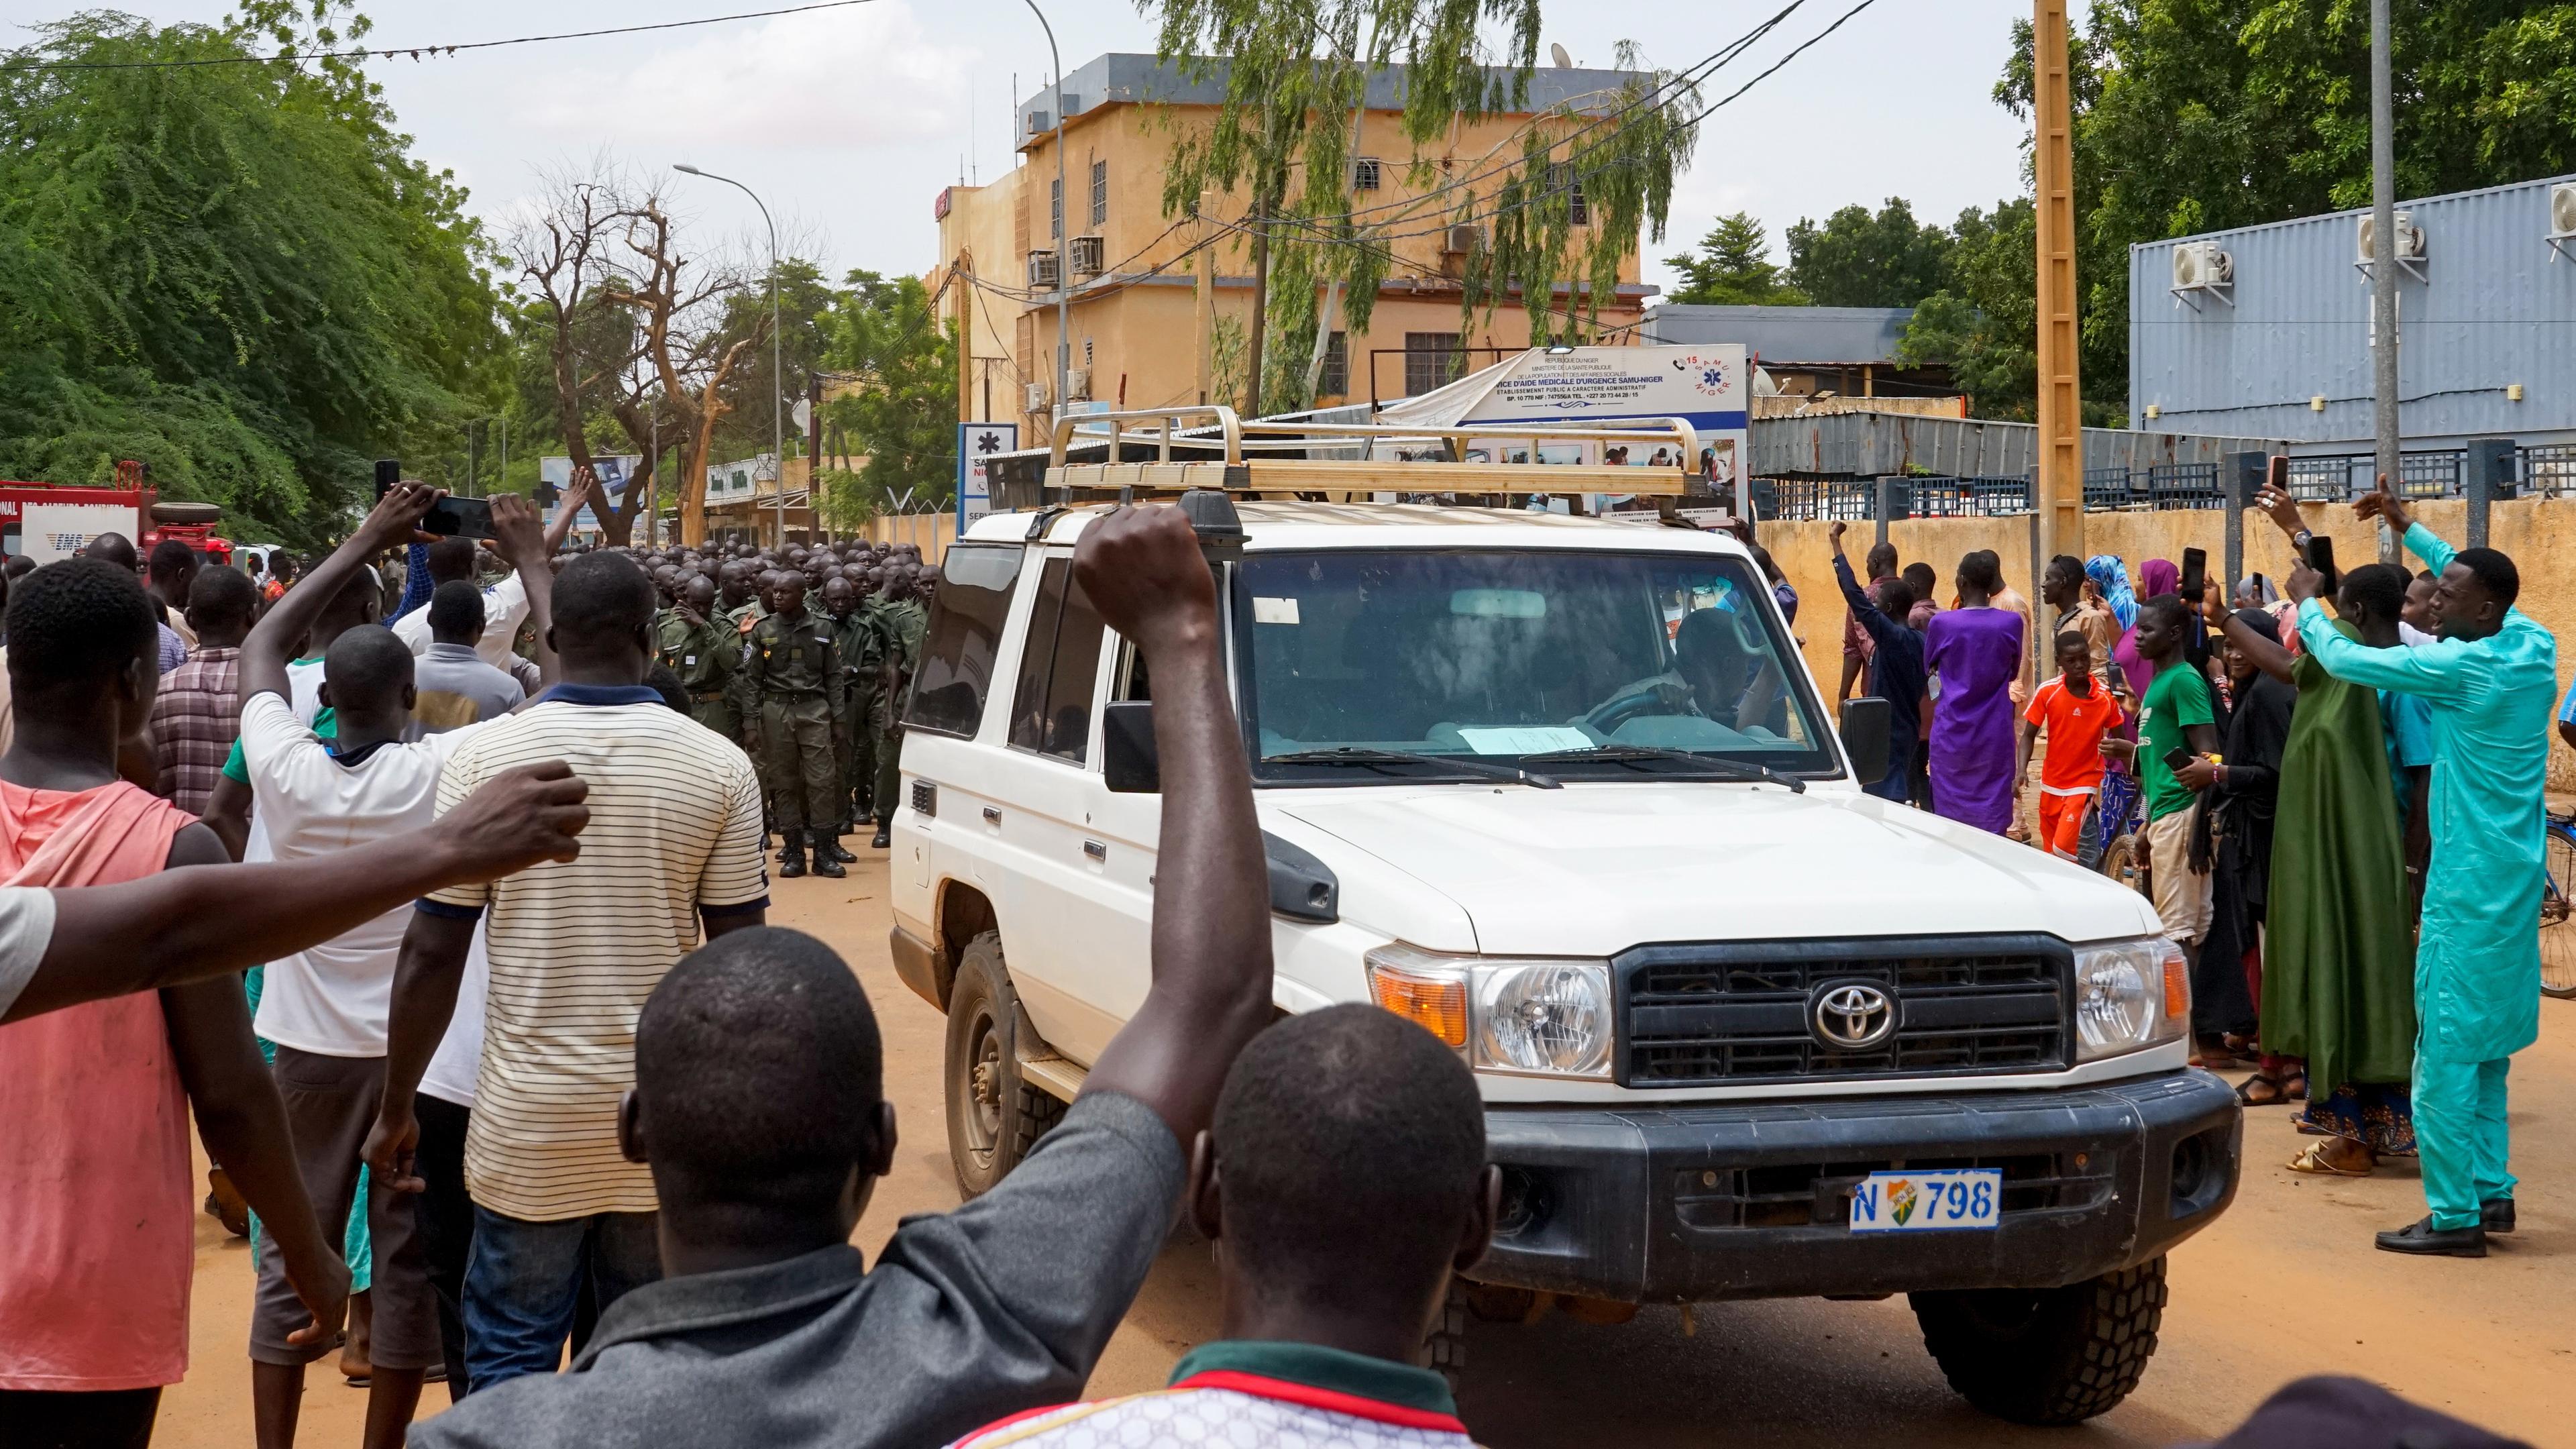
(848,121)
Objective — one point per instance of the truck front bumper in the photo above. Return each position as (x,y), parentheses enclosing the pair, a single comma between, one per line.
(1751,1200)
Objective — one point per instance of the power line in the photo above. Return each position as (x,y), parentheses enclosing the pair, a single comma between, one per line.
(387,52)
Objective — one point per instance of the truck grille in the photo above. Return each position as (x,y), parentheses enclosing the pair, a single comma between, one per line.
(1694,1015)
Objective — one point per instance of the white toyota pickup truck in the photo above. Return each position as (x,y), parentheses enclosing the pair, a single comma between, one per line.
(1562,791)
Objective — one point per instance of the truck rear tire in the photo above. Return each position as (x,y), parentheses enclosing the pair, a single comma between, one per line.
(2047,1356)
(994,1117)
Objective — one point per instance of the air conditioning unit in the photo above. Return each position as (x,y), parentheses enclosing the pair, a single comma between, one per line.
(2202,265)
(1040,123)
(1090,255)
(2562,219)
(1034,398)
(1459,241)
(1077,384)
(1042,270)
(2410,239)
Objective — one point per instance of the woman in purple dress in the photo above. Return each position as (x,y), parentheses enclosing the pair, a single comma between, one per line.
(1976,649)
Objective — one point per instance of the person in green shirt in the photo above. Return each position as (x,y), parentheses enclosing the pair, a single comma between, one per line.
(899,621)
(2176,715)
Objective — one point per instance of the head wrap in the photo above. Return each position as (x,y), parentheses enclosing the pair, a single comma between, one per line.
(2112,578)
(2261,623)
(2158,576)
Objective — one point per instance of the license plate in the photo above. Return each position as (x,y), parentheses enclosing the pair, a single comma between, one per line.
(1957,1199)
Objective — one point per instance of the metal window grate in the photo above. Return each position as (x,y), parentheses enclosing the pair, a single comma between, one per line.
(2321,480)
(1367,174)
(2548,470)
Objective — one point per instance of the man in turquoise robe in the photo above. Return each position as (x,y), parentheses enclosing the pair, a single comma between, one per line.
(2490,682)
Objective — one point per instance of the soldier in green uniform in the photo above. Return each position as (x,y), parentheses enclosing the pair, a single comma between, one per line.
(744,608)
(703,652)
(899,621)
(840,602)
(793,666)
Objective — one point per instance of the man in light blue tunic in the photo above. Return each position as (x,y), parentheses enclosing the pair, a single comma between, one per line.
(2490,682)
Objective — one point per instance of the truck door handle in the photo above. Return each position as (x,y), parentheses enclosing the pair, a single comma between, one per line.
(992,817)
(1096,850)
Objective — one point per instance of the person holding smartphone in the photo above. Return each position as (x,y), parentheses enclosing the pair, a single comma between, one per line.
(2176,722)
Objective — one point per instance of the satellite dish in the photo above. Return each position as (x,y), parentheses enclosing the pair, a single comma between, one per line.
(803,412)
(1563,61)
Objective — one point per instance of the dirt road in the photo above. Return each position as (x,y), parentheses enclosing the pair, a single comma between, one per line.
(2286,1284)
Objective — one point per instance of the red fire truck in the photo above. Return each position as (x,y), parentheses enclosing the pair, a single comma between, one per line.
(47,522)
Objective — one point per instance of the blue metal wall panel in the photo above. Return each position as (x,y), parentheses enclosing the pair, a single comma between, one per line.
(2496,306)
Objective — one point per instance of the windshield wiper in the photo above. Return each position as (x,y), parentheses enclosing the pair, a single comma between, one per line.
(1716,765)
(1348,755)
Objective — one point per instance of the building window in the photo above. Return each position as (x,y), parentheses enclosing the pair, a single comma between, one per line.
(1099,193)
(1578,211)
(1366,174)
(1055,206)
(1336,381)
(1430,360)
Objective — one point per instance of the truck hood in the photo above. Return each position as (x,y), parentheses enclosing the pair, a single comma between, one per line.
(1591,870)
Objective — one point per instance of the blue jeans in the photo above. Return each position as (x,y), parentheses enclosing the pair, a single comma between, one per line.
(524,1280)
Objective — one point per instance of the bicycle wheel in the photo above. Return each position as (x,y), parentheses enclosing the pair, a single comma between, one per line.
(2557,904)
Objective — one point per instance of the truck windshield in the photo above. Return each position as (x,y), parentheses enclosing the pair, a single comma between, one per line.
(1365,666)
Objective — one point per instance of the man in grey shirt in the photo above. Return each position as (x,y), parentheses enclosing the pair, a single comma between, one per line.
(758,1105)
(453,686)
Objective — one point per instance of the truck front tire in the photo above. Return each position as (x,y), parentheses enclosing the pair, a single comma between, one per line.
(2047,1356)
(994,1116)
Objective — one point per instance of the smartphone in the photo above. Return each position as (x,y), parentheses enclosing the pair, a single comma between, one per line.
(2321,558)
(2116,677)
(449,517)
(2195,575)
(2177,757)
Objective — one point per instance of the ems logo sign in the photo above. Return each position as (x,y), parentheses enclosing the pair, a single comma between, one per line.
(976,444)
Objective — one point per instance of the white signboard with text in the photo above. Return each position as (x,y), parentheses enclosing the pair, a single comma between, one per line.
(612,470)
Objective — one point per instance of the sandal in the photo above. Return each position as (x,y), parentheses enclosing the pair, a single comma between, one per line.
(2294,1087)
(2313,1160)
(2245,1091)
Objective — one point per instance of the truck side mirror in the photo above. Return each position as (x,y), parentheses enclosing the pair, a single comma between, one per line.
(1128,763)
(1868,730)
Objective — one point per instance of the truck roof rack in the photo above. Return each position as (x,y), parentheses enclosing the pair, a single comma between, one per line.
(1275,456)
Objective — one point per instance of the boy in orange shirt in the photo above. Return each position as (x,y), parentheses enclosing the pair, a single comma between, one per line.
(2078,712)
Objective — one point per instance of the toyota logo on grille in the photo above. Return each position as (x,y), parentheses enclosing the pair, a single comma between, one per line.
(1852,1016)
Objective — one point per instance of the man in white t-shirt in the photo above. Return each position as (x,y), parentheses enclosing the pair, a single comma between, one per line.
(326,1007)
(505,604)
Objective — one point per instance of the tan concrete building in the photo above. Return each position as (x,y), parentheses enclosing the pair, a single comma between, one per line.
(1135,329)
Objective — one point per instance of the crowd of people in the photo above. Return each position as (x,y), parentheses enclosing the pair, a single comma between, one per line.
(2335,792)
(517,1061)
(440,904)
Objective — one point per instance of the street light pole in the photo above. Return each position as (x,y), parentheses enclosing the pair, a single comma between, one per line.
(2383,266)
(777,372)
(1063,228)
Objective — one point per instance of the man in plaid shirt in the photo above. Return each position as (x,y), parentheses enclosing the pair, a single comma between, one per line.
(197,714)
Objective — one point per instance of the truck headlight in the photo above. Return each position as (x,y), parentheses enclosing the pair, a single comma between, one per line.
(2130,995)
(1542,1016)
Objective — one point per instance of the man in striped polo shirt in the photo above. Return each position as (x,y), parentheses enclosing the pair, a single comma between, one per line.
(575,948)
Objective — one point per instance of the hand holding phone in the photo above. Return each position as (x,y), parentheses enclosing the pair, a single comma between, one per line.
(2195,577)
(2179,756)
(447,518)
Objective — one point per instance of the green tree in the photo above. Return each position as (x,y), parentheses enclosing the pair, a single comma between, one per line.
(1294,75)
(1733,267)
(235,273)
(884,336)
(1857,259)
(1980,323)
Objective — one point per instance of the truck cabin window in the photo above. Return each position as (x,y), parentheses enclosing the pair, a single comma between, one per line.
(966,618)
(1605,665)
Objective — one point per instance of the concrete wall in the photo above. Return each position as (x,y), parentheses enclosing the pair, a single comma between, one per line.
(2536,533)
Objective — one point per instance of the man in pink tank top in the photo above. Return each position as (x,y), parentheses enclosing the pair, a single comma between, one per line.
(97,1235)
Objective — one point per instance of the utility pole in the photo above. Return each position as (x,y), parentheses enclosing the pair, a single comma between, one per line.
(1207,296)
(961,280)
(2060,493)
(2383,264)
(1260,310)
